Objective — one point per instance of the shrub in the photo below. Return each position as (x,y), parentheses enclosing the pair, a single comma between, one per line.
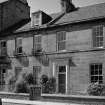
(29,78)
(22,87)
(51,84)
(96,89)
(11,83)
(48,84)
(23,84)
(44,79)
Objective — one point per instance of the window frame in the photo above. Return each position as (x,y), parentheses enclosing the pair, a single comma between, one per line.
(3,48)
(95,75)
(39,43)
(97,36)
(18,46)
(59,42)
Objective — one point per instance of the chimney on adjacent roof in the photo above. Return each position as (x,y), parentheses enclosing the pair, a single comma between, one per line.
(67,6)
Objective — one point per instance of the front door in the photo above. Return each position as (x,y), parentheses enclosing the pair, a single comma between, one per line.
(62,79)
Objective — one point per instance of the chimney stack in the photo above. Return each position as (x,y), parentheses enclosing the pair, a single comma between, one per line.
(67,6)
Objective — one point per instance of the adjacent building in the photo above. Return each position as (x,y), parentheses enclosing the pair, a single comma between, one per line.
(69,46)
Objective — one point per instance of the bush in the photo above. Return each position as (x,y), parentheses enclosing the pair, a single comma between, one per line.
(22,87)
(44,79)
(11,83)
(48,84)
(96,89)
(29,78)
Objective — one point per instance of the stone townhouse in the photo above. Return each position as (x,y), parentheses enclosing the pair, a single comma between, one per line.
(68,46)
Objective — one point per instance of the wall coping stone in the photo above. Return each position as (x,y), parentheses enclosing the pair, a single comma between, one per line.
(22,94)
(28,102)
(74,96)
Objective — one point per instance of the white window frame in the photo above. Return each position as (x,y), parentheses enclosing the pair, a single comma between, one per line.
(36,19)
(66,74)
(96,73)
(61,39)
(98,38)
(37,42)
(3,49)
(18,46)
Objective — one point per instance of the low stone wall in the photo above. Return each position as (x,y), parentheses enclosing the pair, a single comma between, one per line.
(77,99)
(20,96)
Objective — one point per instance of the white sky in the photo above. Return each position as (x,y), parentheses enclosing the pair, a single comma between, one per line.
(53,6)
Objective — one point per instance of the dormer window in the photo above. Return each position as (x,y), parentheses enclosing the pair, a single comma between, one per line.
(39,18)
(36,19)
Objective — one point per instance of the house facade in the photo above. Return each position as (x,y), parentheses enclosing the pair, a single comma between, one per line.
(69,47)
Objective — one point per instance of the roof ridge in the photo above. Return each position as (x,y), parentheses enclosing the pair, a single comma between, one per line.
(97,4)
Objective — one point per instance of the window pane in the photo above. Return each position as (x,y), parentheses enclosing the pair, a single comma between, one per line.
(100,67)
(92,68)
(37,43)
(96,67)
(92,78)
(18,42)
(37,47)
(100,72)
(61,46)
(61,36)
(3,44)
(37,39)
(92,72)
(100,78)
(100,82)
(19,50)
(62,69)
(96,72)
(96,78)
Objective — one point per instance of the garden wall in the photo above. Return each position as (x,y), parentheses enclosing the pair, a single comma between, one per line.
(20,96)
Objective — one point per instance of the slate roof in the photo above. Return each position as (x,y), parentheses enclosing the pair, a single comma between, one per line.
(24,1)
(83,14)
(87,13)
(28,25)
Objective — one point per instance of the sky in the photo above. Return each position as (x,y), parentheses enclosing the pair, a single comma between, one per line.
(53,6)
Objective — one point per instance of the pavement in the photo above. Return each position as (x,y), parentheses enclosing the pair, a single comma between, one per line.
(28,102)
